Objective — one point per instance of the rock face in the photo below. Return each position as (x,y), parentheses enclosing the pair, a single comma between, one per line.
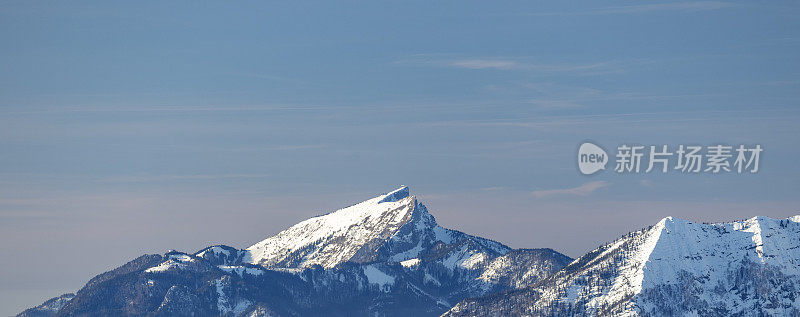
(385,256)
(674,268)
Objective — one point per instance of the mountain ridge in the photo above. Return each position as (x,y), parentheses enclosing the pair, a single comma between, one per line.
(385,256)
(675,267)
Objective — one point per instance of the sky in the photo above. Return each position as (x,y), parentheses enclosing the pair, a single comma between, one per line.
(129,128)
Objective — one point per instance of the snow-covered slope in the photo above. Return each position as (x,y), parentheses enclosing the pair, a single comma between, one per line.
(49,307)
(385,256)
(676,267)
(393,227)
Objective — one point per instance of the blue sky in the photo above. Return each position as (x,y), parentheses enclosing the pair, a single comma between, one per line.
(130,128)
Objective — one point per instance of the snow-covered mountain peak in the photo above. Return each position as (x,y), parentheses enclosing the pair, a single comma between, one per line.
(675,267)
(395,195)
(392,227)
(338,236)
(676,245)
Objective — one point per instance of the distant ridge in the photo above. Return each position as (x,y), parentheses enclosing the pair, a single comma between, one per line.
(384,256)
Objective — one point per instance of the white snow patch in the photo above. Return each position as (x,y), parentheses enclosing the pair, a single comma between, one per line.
(240,270)
(163,267)
(464,258)
(473,261)
(174,261)
(216,251)
(376,276)
(410,263)
(181,257)
(224,303)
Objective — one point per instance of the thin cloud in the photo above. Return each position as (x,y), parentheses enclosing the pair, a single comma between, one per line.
(719,116)
(512,63)
(507,64)
(163,178)
(484,64)
(554,104)
(176,109)
(647,8)
(678,6)
(582,190)
(288,147)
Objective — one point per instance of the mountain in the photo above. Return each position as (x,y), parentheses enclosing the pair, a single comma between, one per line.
(50,307)
(393,227)
(386,256)
(674,268)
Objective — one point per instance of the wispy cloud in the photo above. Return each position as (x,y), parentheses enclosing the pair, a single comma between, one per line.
(163,178)
(510,63)
(582,190)
(287,147)
(722,117)
(175,109)
(694,6)
(484,64)
(554,104)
